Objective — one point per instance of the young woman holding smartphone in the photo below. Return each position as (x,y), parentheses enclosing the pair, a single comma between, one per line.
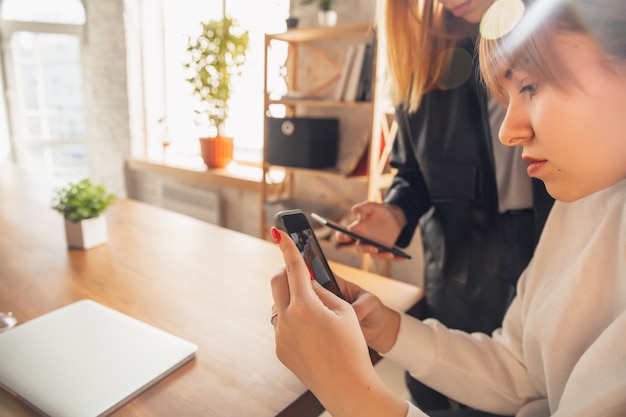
(560,351)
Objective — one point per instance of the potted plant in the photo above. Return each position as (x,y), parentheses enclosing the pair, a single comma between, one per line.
(82,205)
(216,56)
(326,16)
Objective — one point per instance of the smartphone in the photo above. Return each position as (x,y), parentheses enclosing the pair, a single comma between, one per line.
(393,249)
(297,226)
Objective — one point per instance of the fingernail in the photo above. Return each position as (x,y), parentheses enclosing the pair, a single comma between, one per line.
(310,274)
(275,235)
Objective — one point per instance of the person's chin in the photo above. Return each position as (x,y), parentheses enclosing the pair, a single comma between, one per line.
(566,193)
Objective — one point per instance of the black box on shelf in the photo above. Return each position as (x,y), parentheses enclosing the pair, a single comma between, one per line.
(303,142)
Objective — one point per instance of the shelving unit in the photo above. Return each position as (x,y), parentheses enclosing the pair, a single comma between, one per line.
(328,45)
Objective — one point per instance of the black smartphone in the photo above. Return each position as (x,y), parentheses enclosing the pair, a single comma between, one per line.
(297,226)
(393,249)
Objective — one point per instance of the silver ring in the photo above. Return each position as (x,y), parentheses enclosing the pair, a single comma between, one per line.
(274,314)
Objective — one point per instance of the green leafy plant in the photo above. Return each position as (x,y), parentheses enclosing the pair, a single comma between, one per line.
(216,56)
(82,200)
(325,5)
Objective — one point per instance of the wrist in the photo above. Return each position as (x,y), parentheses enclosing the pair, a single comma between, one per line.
(386,339)
(397,213)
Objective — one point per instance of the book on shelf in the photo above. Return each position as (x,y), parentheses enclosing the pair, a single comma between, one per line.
(364,90)
(345,73)
(352,85)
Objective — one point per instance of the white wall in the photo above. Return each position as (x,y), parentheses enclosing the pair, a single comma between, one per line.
(347,11)
(5,145)
(114,87)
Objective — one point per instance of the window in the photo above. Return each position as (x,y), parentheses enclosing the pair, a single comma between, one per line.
(181,19)
(41,61)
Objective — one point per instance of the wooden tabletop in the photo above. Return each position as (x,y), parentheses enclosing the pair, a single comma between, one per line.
(204,283)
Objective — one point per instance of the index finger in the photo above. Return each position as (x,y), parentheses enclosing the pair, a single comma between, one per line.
(343,238)
(298,275)
(362,209)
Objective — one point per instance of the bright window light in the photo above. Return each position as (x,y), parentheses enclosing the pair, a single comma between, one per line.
(44,11)
(44,80)
(182,19)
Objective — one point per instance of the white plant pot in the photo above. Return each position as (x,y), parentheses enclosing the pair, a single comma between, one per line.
(87,233)
(327,17)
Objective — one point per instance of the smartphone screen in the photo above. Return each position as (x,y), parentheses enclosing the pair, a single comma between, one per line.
(296,224)
(393,249)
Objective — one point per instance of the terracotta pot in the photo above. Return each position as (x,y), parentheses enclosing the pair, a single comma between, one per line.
(217,152)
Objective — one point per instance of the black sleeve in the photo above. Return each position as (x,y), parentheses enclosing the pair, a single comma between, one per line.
(408,189)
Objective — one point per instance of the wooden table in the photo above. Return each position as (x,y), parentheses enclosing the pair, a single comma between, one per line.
(201,282)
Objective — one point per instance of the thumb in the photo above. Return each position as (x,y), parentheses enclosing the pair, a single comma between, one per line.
(330,300)
(298,275)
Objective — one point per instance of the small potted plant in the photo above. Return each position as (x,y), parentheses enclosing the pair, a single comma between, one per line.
(326,16)
(216,56)
(82,205)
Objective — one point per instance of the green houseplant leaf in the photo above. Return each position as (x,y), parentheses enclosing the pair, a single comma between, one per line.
(82,200)
(216,55)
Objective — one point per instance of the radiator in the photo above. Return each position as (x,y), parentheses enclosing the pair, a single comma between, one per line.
(200,204)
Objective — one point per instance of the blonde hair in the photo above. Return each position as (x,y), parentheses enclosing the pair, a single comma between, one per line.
(416,34)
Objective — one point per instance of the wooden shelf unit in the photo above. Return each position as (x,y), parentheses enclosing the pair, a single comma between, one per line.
(381,124)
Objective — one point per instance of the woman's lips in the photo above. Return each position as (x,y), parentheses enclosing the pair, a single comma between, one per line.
(460,9)
(534,165)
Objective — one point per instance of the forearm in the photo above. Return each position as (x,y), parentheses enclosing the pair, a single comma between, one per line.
(398,214)
(363,395)
(473,368)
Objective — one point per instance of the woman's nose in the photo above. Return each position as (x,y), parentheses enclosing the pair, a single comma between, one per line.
(515,128)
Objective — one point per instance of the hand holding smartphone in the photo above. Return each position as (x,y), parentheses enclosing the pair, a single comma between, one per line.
(393,249)
(297,226)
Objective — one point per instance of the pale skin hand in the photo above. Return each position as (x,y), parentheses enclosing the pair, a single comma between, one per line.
(319,338)
(379,324)
(382,222)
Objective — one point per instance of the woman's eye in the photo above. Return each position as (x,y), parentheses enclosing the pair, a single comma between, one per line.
(531,89)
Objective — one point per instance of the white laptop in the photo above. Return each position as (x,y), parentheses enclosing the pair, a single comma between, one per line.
(86,359)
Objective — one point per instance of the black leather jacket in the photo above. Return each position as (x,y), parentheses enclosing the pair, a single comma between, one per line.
(446,182)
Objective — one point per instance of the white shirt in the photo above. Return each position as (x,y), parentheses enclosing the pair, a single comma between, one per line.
(561,350)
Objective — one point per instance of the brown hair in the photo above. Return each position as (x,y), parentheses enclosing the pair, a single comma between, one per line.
(415,34)
(530,45)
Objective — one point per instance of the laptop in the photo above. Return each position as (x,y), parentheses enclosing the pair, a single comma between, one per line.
(85,359)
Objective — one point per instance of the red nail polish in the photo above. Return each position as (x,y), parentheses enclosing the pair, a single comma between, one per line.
(276,235)
(310,274)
